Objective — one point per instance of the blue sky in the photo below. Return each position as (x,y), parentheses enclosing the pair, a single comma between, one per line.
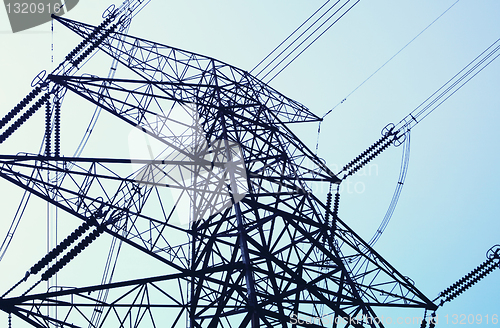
(446,218)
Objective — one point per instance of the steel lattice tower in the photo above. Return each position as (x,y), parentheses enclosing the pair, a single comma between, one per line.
(260,246)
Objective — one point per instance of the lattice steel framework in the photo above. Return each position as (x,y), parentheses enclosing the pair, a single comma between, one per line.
(259,247)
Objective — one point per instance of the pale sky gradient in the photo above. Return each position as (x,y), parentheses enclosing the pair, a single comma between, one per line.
(447,216)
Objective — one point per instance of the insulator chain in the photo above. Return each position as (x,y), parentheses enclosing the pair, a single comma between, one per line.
(23,103)
(471,278)
(57,128)
(336,205)
(423,324)
(92,35)
(327,210)
(74,252)
(368,155)
(432,322)
(328,207)
(368,159)
(24,117)
(54,253)
(471,283)
(94,45)
(334,214)
(48,127)
(363,154)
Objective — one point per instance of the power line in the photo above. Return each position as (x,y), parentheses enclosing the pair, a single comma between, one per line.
(288,37)
(390,59)
(450,87)
(301,39)
(377,70)
(401,131)
(405,160)
(307,47)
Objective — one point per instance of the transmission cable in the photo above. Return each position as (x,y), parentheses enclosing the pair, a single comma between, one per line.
(405,159)
(401,132)
(24,201)
(301,37)
(307,47)
(288,37)
(450,87)
(390,59)
(377,70)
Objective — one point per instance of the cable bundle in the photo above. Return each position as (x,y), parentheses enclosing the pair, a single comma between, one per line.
(24,117)
(292,49)
(23,103)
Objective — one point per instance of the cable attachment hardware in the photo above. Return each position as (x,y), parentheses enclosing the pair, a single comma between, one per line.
(387,129)
(493,252)
(109,12)
(400,139)
(39,80)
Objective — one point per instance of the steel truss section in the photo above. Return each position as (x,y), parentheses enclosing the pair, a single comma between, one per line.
(258,248)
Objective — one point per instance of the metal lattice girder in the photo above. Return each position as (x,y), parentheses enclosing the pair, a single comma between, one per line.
(157,62)
(292,268)
(252,125)
(257,249)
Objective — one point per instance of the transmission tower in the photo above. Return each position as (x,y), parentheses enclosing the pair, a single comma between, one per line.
(254,248)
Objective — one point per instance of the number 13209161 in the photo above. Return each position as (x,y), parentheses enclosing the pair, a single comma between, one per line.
(471,319)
